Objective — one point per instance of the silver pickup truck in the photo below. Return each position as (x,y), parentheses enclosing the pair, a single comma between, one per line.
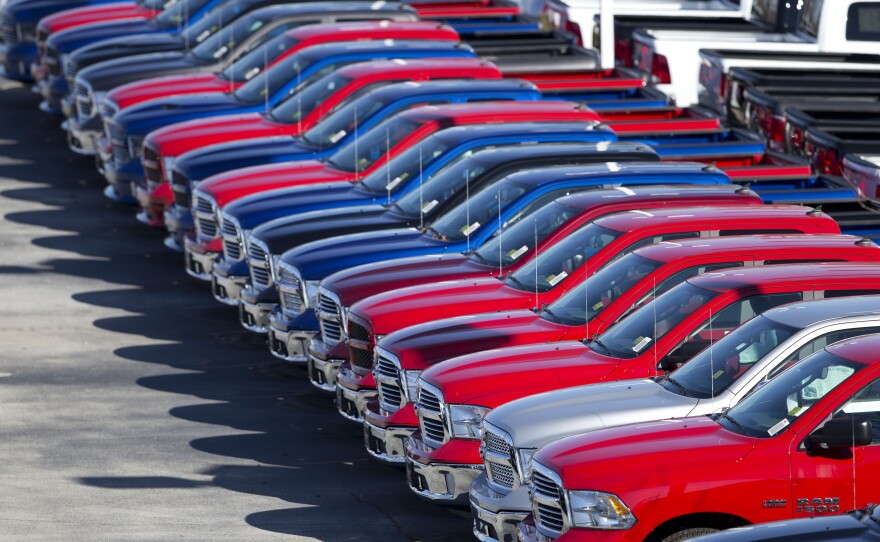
(715,379)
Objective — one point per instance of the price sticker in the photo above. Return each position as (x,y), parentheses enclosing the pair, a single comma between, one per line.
(514,254)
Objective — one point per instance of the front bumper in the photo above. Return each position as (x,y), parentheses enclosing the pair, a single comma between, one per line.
(52,89)
(200,258)
(254,308)
(441,474)
(289,338)
(227,282)
(152,202)
(324,362)
(356,390)
(120,179)
(83,140)
(497,515)
(179,223)
(528,533)
(385,436)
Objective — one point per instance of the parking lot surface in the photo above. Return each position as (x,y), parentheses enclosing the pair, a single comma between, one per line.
(134,406)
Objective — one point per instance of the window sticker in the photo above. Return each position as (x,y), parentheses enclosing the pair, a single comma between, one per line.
(717,374)
(337,136)
(428,206)
(514,254)
(467,230)
(248,75)
(778,427)
(201,37)
(598,305)
(796,411)
(640,343)
(553,280)
(221,51)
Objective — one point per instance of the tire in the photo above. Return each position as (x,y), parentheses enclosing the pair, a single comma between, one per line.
(689,534)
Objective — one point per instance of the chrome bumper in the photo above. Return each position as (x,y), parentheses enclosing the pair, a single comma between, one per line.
(199,266)
(68,107)
(442,483)
(497,515)
(387,445)
(351,404)
(322,373)
(289,345)
(80,141)
(254,316)
(227,290)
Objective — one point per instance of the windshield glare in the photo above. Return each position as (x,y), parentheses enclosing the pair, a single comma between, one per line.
(225,40)
(546,270)
(179,13)
(253,63)
(298,106)
(273,79)
(467,218)
(333,127)
(518,241)
(595,294)
(770,409)
(208,25)
(357,156)
(648,324)
(158,4)
(714,369)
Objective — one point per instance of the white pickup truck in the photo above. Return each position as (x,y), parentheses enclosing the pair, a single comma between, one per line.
(576,16)
(672,57)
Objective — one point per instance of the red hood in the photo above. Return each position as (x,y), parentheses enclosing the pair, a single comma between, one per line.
(495,377)
(159,87)
(603,459)
(356,283)
(70,18)
(181,137)
(238,183)
(420,346)
(394,310)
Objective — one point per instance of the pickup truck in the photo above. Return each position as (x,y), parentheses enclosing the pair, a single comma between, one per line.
(443,184)
(827,146)
(863,171)
(129,128)
(715,379)
(672,57)
(390,419)
(800,446)
(84,105)
(376,90)
(854,526)
(18,32)
(294,322)
(716,66)
(454,396)
(362,157)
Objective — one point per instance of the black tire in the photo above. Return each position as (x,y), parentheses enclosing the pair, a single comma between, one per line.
(689,534)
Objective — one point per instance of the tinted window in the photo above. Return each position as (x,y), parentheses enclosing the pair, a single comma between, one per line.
(863,22)
(809,21)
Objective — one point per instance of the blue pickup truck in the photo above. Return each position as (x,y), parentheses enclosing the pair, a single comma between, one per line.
(296,273)
(130,126)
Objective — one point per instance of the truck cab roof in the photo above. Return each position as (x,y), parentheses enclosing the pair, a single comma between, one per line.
(674,170)
(814,274)
(389,69)
(471,113)
(803,314)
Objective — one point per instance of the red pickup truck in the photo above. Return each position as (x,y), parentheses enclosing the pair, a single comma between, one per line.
(443,456)
(804,445)
(543,280)
(559,219)
(589,309)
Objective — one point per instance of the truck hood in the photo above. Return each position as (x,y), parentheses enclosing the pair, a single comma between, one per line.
(145,117)
(429,343)
(494,377)
(169,85)
(246,145)
(321,258)
(127,46)
(228,187)
(536,420)
(74,38)
(286,233)
(599,459)
(184,136)
(352,285)
(396,309)
(261,208)
(109,74)
(94,14)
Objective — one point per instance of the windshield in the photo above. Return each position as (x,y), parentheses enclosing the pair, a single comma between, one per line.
(600,290)
(511,244)
(442,186)
(179,13)
(648,324)
(772,408)
(395,174)
(272,80)
(223,41)
(543,272)
(466,218)
(714,369)
(295,108)
(333,127)
(358,155)
(211,23)
(158,4)
(251,64)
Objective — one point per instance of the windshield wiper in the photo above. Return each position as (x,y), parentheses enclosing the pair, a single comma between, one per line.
(678,385)
(516,281)
(548,312)
(734,422)
(598,342)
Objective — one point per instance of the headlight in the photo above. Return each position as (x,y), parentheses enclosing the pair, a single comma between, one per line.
(26,32)
(464,421)
(597,510)
(311,293)
(411,385)
(524,457)
(167,165)
(135,147)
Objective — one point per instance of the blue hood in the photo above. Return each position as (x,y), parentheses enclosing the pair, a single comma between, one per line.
(31,11)
(206,161)
(125,46)
(112,73)
(145,117)
(74,38)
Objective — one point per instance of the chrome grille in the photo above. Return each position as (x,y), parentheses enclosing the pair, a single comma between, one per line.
(290,290)
(331,331)
(362,358)
(179,180)
(229,228)
(260,277)
(51,58)
(387,368)
(117,139)
(433,430)
(152,174)
(292,301)
(70,69)
(329,318)
(204,205)
(429,402)
(207,227)
(231,240)
(286,275)
(108,109)
(496,444)
(390,396)
(547,505)
(257,252)
(181,198)
(258,261)
(387,376)
(358,332)
(149,152)
(429,407)
(549,516)
(9,35)
(545,486)
(501,474)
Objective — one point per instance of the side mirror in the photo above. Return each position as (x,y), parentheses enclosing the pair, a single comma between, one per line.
(843,432)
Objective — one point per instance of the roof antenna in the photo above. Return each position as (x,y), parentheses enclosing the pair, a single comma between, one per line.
(654,309)
(299,113)
(186,26)
(500,247)
(586,292)
(865,242)
(744,189)
(265,81)
(816,211)
(710,168)
(711,356)
(388,168)
(421,195)
(467,207)
(536,264)
(356,159)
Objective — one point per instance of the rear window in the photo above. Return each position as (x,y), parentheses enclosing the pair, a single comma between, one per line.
(863,22)
(765,10)
(809,22)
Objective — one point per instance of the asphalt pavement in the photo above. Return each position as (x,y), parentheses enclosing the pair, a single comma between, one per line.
(134,407)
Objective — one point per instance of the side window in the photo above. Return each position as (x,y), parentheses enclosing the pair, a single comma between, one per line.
(657,239)
(722,323)
(277,31)
(863,22)
(728,233)
(845,293)
(821,342)
(803,260)
(538,203)
(866,403)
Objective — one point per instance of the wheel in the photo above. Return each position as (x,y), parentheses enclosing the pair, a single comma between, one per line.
(688,534)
